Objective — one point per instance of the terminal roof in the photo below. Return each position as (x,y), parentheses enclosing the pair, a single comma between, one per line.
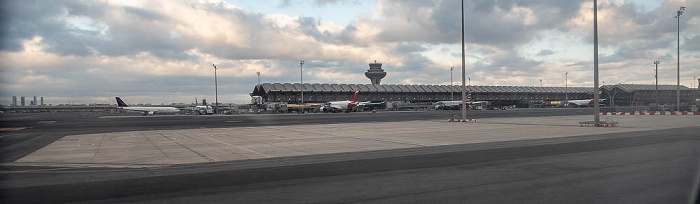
(264,89)
(643,87)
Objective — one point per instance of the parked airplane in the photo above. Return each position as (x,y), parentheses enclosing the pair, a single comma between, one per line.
(457,105)
(584,102)
(338,106)
(146,110)
(372,105)
(204,109)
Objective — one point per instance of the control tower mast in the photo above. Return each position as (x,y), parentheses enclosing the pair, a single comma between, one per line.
(375,72)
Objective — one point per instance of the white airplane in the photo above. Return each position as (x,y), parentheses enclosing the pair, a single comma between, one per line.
(584,102)
(448,105)
(146,110)
(204,109)
(457,105)
(337,106)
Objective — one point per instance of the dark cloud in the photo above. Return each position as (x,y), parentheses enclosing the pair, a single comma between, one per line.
(143,15)
(104,35)
(485,22)
(23,20)
(309,26)
(545,53)
(410,48)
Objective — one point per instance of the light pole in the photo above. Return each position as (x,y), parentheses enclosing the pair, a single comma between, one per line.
(464,87)
(216,89)
(596,95)
(566,89)
(452,85)
(656,76)
(301,71)
(678,69)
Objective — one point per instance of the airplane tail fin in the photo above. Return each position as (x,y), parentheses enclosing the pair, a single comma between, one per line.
(120,103)
(354,98)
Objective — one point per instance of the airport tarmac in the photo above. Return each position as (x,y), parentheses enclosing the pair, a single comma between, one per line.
(527,155)
(189,146)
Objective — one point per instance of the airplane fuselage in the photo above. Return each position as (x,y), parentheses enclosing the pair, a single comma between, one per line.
(584,102)
(146,110)
(346,106)
(153,110)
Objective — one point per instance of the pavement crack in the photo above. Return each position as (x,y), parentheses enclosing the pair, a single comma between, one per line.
(154,144)
(189,149)
(100,145)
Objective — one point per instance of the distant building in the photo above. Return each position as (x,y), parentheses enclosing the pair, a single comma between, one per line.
(520,96)
(646,94)
(14,100)
(42,100)
(22,100)
(34,102)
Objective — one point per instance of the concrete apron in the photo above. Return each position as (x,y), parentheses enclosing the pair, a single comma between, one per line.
(187,146)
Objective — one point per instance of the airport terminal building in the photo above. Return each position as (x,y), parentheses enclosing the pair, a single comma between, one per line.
(498,95)
(647,94)
(520,96)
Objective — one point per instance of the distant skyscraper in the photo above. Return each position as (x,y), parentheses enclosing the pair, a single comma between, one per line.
(375,72)
(34,102)
(14,100)
(22,100)
(42,100)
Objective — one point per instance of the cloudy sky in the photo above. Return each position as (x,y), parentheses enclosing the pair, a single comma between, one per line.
(162,51)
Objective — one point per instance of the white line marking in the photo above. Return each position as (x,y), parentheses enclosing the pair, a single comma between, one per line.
(234,146)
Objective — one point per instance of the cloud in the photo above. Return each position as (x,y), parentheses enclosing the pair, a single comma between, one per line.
(330,2)
(486,22)
(95,49)
(545,53)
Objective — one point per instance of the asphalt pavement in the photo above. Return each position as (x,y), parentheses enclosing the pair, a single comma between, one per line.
(650,166)
(42,129)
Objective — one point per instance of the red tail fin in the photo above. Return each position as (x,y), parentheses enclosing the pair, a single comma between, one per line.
(354,98)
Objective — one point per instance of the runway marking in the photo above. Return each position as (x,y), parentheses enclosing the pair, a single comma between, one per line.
(387,141)
(234,146)
(100,145)
(46,122)
(12,129)
(163,116)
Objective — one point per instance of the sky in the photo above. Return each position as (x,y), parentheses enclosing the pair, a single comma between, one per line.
(162,51)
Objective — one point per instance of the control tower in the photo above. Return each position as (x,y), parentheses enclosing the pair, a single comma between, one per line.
(375,72)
